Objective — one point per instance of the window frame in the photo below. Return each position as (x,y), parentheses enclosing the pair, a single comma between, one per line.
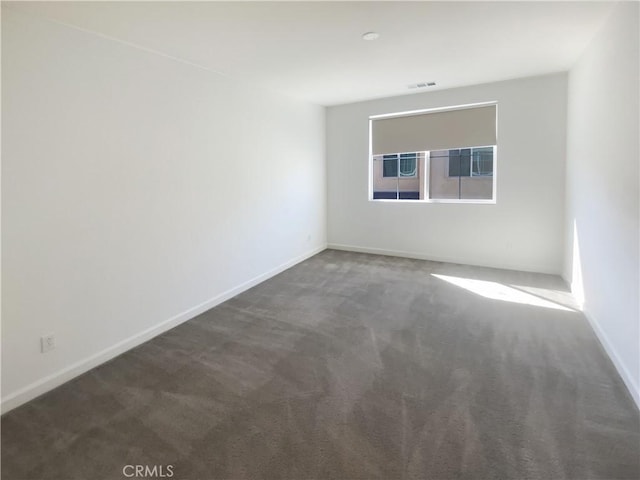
(427,160)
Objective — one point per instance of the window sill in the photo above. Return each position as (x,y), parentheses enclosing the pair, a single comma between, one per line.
(434,200)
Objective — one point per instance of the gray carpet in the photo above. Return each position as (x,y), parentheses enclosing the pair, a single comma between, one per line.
(348,366)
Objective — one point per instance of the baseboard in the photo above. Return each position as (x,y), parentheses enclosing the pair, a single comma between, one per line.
(627,378)
(435,258)
(56,379)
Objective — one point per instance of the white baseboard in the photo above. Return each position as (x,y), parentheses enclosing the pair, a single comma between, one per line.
(435,258)
(56,379)
(627,378)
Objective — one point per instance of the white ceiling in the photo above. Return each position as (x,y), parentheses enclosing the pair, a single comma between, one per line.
(314,50)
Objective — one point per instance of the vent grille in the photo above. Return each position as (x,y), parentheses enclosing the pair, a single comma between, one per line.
(422,85)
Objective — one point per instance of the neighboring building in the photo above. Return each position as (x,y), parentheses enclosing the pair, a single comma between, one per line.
(453,174)
(399,176)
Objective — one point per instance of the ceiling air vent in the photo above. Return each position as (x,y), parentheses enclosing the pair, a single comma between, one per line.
(422,85)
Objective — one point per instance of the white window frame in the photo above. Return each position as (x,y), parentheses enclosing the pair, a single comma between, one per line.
(427,161)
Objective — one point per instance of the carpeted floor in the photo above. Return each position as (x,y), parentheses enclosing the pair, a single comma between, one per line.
(348,366)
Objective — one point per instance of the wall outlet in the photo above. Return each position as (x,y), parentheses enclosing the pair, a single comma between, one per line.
(47,343)
(309,238)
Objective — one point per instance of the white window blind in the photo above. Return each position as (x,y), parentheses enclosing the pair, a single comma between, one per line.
(465,127)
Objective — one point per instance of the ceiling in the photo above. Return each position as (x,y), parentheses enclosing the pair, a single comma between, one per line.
(314,50)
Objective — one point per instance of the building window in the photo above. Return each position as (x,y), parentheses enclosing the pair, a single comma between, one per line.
(461,174)
(450,155)
(471,162)
(400,165)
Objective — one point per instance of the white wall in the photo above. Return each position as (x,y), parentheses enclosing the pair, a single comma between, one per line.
(137,191)
(523,230)
(603,217)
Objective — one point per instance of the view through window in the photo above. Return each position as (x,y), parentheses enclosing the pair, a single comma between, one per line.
(461,173)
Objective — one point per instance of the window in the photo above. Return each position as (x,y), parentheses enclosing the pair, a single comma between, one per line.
(405,163)
(443,155)
(471,162)
(459,162)
(398,176)
(461,174)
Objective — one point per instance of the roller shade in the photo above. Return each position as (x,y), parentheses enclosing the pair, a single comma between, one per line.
(466,127)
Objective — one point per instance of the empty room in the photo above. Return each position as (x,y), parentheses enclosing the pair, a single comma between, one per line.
(320,240)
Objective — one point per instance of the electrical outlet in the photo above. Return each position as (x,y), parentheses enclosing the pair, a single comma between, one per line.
(48,342)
